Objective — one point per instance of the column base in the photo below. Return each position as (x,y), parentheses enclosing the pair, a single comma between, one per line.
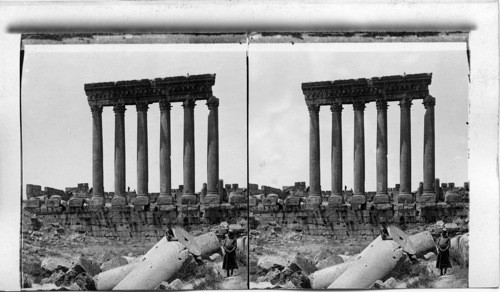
(97,202)
(405,198)
(450,197)
(358,199)
(118,201)
(427,197)
(211,198)
(75,202)
(335,200)
(314,200)
(237,198)
(165,199)
(381,198)
(141,200)
(188,199)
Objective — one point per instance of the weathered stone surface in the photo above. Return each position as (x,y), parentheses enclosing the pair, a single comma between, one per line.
(390,283)
(52,263)
(161,262)
(269,262)
(430,256)
(328,262)
(109,279)
(374,263)
(307,266)
(113,263)
(208,244)
(377,285)
(321,279)
(90,267)
(422,243)
(215,257)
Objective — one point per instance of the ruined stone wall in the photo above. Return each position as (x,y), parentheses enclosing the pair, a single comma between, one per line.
(343,222)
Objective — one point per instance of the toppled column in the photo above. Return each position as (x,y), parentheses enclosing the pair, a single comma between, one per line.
(325,277)
(160,263)
(378,260)
(422,243)
(208,244)
(107,280)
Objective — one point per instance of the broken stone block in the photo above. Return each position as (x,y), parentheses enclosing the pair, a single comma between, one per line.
(377,285)
(208,244)
(270,262)
(329,261)
(215,257)
(114,263)
(390,283)
(175,285)
(430,256)
(300,280)
(56,278)
(86,265)
(307,266)
(85,282)
(452,197)
(52,263)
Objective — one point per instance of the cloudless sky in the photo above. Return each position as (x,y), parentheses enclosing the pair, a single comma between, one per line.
(57,122)
(279,127)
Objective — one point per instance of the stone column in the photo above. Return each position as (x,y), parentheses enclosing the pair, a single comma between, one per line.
(120,197)
(382,196)
(97,156)
(337,197)
(429,195)
(142,154)
(314,162)
(188,196)
(359,153)
(405,195)
(165,197)
(213,152)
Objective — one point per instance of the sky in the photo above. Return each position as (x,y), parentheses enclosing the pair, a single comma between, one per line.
(279,119)
(57,122)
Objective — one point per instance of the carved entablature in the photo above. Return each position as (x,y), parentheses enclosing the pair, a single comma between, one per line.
(390,88)
(177,89)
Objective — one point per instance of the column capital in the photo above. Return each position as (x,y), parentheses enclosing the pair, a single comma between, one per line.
(142,106)
(165,105)
(429,101)
(382,104)
(336,106)
(119,108)
(405,102)
(96,110)
(313,108)
(358,105)
(213,102)
(189,103)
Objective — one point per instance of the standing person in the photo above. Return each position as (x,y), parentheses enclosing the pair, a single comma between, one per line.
(229,252)
(443,249)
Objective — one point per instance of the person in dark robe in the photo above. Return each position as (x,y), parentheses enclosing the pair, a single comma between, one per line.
(229,252)
(169,233)
(384,233)
(443,248)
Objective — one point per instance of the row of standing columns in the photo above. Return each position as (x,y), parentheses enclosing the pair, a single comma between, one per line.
(165,196)
(381,152)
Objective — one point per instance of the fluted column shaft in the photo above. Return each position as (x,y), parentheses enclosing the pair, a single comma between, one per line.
(213,148)
(142,149)
(405,151)
(314,154)
(97,157)
(359,152)
(165,153)
(381,152)
(189,158)
(429,150)
(336,109)
(120,170)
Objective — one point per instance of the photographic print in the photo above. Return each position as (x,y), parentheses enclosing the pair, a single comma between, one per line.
(358,162)
(134,163)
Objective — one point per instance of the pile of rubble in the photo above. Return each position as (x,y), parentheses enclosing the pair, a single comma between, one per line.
(167,265)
